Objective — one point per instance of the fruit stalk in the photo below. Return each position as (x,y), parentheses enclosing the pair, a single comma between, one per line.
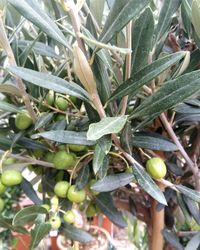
(157,224)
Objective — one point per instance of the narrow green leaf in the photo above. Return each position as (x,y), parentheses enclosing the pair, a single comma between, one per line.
(193,208)
(28,214)
(194,243)
(43,119)
(68,137)
(168,9)
(192,194)
(38,233)
(105,143)
(30,192)
(39,48)
(7,223)
(4,106)
(121,13)
(76,234)
(98,158)
(143,30)
(107,125)
(83,177)
(145,75)
(32,11)
(172,239)
(145,181)
(102,172)
(51,82)
(153,141)
(126,138)
(112,182)
(169,95)
(196,16)
(105,203)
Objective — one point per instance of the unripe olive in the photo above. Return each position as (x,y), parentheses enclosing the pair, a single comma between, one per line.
(49,156)
(91,210)
(55,222)
(9,161)
(50,98)
(61,188)
(77,148)
(92,182)
(63,160)
(11,177)
(23,120)
(156,168)
(61,103)
(46,206)
(76,195)
(69,217)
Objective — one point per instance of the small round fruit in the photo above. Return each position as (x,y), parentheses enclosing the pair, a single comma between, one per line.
(61,188)
(46,206)
(9,161)
(49,156)
(50,98)
(129,170)
(77,148)
(2,188)
(60,117)
(23,120)
(69,217)
(156,168)
(61,103)
(11,177)
(2,204)
(63,160)
(55,222)
(76,195)
(40,188)
(91,211)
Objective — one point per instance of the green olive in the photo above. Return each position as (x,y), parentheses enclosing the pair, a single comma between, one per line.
(75,195)
(50,98)
(63,160)
(2,188)
(156,168)
(11,177)
(2,204)
(23,120)
(69,217)
(61,103)
(61,189)
(91,210)
(77,148)
(9,161)
(55,222)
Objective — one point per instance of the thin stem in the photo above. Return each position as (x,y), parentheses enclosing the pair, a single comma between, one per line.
(190,163)
(128,64)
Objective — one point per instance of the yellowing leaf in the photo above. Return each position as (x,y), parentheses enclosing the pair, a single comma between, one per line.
(83,70)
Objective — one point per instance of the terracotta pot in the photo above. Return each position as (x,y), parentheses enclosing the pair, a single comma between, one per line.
(104,222)
(23,241)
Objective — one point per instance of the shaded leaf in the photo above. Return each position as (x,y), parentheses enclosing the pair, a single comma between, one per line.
(145,181)
(126,138)
(143,30)
(145,75)
(192,194)
(5,106)
(153,141)
(107,125)
(38,233)
(32,11)
(68,137)
(76,234)
(112,182)
(30,192)
(104,167)
(50,82)
(43,119)
(28,214)
(196,16)
(193,208)
(10,89)
(172,239)
(105,203)
(120,14)
(83,177)
(105,143)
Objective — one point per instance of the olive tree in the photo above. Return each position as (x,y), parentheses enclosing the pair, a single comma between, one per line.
(100,98)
